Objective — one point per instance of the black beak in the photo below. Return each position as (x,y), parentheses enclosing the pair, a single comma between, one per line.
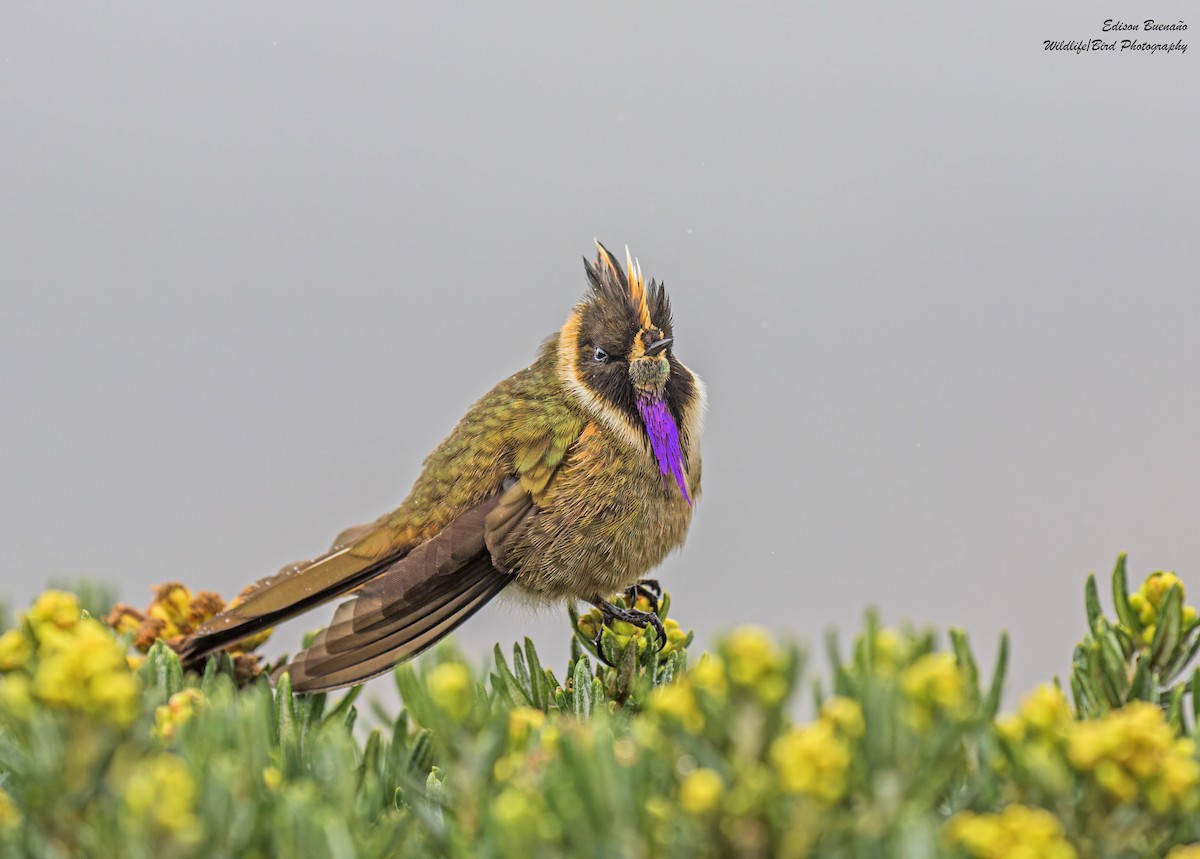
(658,345)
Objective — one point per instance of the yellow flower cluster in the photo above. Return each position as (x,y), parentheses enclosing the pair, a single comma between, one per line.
(523,755)
(700,791)
(677,701)
(85,670)
(814,760)
(591,625)
(755,663)
(68,661)
(160,790)
(15,650)
(174,612)
(451,689)
(680,701)
(169,717)
(1128,753)
(1037,732)
(57,609)
(515,807)
(10,815)
(1134,751)
(708,676)
(1149,597)
(1017,831)
(1044,715)
(934,686)
(524,722)
(272,778)
(846,715)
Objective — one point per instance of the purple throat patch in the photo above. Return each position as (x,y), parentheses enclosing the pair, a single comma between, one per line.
(664,440)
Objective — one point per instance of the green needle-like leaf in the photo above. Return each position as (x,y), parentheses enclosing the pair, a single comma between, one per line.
(537,677)
(1169,630)
(1125,612)
(344,705)
(1091,599)
(515,692)
(581,688)
(991,704)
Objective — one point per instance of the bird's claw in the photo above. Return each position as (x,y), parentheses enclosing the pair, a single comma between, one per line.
(634,616)
(648,588)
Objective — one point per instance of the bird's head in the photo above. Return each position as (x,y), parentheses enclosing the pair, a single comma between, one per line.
(617,354)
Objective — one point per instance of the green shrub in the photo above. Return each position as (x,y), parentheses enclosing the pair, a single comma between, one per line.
(104,753)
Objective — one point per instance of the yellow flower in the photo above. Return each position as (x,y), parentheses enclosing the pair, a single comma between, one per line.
(161,791)
(1017,831)
(15,650)
(15,694)
(590,623)
(450,688)
(889,650)
(677,701)
(1148,599)
(272,778)
(813,760)
(85,669)
(700,791)
(752,656)
(934,685)
(1045,709)
(10,815)
(179,709)
(1191,851)
(1155,588)
(1035,738)
(709,676)
(515,810)
(54,608)
(171,606)
(675,635)
(523,721)
(1134,751)
(1044,716)
(845,714)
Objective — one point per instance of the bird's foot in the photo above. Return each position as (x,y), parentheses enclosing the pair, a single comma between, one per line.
(633,616)
(648,588)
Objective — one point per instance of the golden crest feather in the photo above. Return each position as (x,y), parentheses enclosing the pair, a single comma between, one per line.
(634,280)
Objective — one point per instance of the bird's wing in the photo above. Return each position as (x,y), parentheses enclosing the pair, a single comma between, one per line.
(419,598)
(411,604)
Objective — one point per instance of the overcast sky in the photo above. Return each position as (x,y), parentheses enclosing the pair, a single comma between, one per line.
(256,260)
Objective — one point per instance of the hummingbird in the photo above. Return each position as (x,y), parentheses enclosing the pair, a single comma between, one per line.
(569,480)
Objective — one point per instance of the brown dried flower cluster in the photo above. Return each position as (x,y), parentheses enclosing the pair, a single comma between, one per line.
(173,614)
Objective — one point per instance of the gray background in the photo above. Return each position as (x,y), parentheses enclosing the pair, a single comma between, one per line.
(256,261)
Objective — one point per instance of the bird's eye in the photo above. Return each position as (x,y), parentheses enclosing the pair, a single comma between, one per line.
(600,356)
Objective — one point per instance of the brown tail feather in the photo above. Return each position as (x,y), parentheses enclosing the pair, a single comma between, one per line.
(281,597)
(403,603)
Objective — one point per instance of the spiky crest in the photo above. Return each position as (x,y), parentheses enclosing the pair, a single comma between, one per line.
(621,287)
